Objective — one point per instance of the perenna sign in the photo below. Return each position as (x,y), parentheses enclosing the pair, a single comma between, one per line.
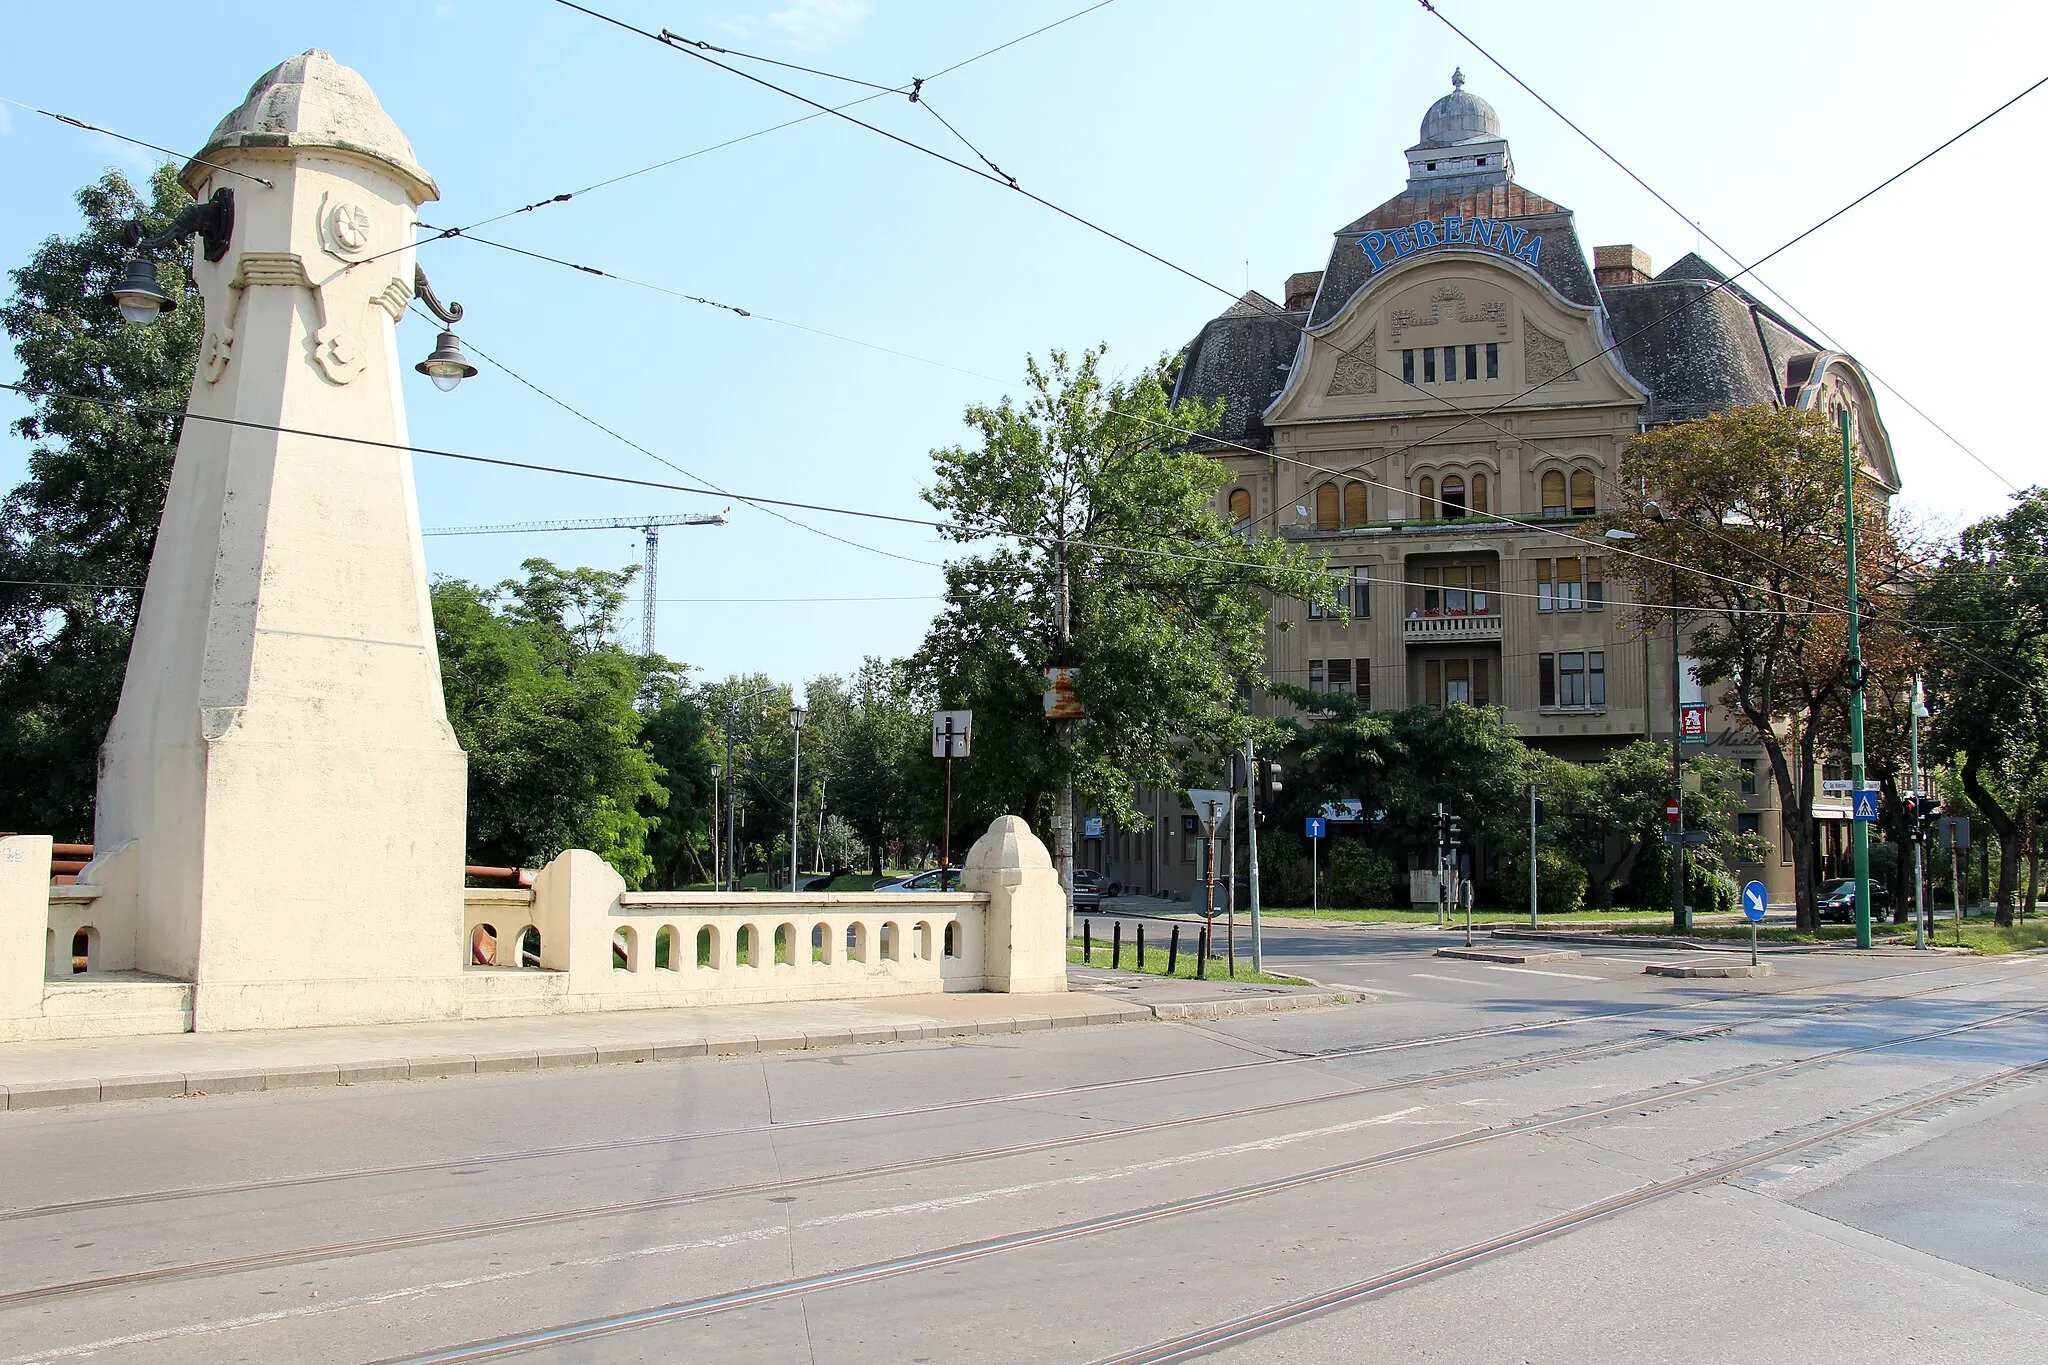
(1382,249)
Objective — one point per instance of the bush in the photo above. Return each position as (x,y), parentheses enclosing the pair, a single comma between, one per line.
(1359,876)
(1707,890)
(1560,881)
(1283,872)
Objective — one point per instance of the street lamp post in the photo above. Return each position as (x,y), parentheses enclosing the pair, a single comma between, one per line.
(1681,918)
(717,865)
(1917,710)
(1859,833)
(796,765)
(732,795)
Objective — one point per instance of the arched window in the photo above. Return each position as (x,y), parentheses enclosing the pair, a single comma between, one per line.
(1553,494)
(529,948)
(1582,492)
(1240,506)
(665,949)
(1326,507)
(1354,503)
(1425,499)
(1454,496)
(1479,492)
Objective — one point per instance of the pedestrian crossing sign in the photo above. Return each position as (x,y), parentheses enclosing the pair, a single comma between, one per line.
(1866,805)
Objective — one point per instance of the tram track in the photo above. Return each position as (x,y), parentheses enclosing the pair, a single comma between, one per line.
(261,1261)
(1016,1097)
(785,1290)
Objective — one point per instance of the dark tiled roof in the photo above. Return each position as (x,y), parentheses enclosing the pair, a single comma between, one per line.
(1563,262)
(1243,358)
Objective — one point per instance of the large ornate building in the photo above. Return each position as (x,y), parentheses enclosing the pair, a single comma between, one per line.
(1386,412)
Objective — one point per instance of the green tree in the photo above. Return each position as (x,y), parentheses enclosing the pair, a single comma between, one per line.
(679,741)
(748,718)
(1751,503)
(544,704)
(884,772)
(1609,816)
(1109,557)
(1988,596)
(76,535)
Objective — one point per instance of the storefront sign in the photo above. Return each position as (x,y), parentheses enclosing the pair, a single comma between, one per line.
(1382,249)
(1692,724)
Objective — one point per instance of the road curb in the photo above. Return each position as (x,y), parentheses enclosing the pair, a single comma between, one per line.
(28,1095)
(1499,955)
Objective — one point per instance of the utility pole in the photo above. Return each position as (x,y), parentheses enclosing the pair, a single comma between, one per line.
(1681,918)
(1533,808)
(796,809)
(1859,834)
(1064,835)
(1251,819)
(717,864)
(1917,710)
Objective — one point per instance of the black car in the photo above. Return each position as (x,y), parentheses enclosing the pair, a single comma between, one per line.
(1092,888)
(1838,900)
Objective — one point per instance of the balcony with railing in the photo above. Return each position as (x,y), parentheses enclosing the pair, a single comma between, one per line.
(1444,628)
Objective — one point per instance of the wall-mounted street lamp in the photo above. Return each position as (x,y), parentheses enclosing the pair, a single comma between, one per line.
(447,366)
(141,299)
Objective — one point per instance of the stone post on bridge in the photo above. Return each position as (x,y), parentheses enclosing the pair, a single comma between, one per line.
(281,758)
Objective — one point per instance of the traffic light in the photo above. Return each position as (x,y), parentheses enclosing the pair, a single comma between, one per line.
(1925,811)
(1270,784)
(1455,829)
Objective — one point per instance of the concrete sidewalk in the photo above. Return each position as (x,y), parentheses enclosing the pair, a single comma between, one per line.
(93,1070)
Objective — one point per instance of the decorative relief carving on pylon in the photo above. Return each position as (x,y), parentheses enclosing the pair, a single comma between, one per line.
(344,228)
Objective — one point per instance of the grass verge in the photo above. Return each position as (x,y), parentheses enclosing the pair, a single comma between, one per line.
(1155,961)
(1406,916)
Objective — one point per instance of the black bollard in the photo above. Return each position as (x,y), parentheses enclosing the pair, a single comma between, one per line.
(1087,943)
(1202,956)
(1141,945)
(1116,943)
(1173,951)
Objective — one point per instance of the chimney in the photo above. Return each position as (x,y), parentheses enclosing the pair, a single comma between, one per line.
(1301,290)
(1613,265)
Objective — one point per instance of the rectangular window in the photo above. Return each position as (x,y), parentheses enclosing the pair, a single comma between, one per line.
(1450,364)
(1568,598)
(1493,360)
(1571,680)
(1596,678)
(1545,599)
(1596,591)
(1340,675)
(1408,367)
(1361,591)
(1429,364)
(1480,583)
(1746,823)
(1315,675)
(1433,682)
(1361,682)
(1191,834)
(1481,694)
(1546,680)
(1432,591)
(1457,682)
(1471,362)
(1456,577)
(1749,764)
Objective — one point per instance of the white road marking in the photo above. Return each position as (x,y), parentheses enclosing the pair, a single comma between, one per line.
(1538,971)
(1458,980)
(710,1243)
(1376,990)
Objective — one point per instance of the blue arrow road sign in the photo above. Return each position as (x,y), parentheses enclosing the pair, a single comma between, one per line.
(1315,827)
(1866,805)
(1754,899)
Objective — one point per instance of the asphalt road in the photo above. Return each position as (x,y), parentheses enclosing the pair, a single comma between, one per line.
(1567,1163)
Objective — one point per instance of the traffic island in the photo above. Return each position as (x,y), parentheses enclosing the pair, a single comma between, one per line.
(1709,969)
(1510,955)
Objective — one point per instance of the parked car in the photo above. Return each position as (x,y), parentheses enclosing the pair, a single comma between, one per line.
(1838,900)
(1091,889)
(923,881)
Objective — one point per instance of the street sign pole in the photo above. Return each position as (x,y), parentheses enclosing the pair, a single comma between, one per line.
(1918,705)
(1532,855)
(1859,837)
(952,737)
(1251,826)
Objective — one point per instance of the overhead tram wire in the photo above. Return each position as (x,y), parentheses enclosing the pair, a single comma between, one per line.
(1693,223)
(1467,417)
(123,137)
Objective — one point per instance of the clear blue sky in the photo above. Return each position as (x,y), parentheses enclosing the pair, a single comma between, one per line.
(1232,139)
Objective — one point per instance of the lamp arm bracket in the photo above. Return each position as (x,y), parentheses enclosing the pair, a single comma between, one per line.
(450,313)
(212,220)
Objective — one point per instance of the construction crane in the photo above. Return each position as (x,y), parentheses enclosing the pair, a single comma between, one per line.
(650,527)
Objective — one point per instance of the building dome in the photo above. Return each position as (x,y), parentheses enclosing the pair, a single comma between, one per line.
(311,100)
(1459,117)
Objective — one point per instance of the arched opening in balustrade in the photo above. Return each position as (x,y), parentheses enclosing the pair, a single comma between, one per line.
(921,941)
(821,943)
(856,942)
(483,946)
(529,948)
(785,945)
(85,950)
(665,949)
(746,943)
(892,942)
(625,949)
(707,947)
(952,938)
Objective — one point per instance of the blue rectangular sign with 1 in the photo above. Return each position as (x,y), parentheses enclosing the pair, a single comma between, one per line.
(1315,827)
